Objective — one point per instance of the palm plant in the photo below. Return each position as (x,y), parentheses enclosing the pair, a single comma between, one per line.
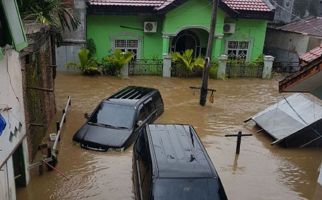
(185,62)
(50,12)
(115,61)
(86,65)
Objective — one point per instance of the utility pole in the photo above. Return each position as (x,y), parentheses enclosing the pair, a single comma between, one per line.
(205,75)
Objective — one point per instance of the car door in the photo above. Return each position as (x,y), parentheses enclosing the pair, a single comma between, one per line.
(143,168)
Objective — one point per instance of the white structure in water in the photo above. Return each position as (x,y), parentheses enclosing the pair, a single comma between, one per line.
(320,176)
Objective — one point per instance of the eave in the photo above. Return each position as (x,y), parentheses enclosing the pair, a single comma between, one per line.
(308,80)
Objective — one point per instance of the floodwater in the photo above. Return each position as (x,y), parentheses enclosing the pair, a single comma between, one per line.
(260,172)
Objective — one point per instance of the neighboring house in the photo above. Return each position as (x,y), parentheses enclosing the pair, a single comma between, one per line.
(308,80)
(27,100)
(72,41)
(13,142)
(153,29)
(287,43)
(289,10)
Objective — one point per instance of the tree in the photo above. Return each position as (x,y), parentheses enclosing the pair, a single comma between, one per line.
(50,12)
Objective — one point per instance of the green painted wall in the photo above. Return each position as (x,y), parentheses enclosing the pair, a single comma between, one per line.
(249,30)
(104,29)
(194,13)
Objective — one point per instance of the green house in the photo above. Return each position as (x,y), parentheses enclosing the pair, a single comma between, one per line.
(154,28)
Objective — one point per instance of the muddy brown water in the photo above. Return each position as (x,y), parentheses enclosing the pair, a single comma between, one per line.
(260,172)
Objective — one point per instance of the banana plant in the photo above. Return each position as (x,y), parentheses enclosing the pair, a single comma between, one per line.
(186,62)
(86,65)
(117,60)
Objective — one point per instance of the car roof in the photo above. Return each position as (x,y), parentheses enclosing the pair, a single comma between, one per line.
(131,95)
(177,152)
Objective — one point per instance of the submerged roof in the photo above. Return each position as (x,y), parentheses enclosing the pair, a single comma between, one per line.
(178,152)
(309,26)
(247,5)
(292,115)
(312,54)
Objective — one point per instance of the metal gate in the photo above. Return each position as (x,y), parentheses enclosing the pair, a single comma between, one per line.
(244,69)
(146,67)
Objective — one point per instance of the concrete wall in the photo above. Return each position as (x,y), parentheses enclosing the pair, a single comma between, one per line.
(286,46)
(287,10)
(72,40)
(11,96)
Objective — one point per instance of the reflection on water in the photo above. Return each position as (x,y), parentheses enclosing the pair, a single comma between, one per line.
(261,171)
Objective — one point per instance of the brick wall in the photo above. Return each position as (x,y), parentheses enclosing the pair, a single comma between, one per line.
(38,86)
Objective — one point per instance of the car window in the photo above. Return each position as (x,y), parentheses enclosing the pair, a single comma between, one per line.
(113,115)
(143,113)
(158,100)
(188,189)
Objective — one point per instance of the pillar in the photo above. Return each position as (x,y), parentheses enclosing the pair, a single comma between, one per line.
(166,56)
(125,70)
(268,66)
(222,63)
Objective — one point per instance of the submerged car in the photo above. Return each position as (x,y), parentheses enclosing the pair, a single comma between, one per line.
(117,120)
(170,162)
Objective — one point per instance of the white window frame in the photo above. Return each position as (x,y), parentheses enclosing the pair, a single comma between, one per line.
(127,47)
(239,49)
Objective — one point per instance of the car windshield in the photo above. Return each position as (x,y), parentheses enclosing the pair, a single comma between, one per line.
(189,189)
(113,115)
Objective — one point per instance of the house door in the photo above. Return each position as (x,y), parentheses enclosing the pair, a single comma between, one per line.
(186,40)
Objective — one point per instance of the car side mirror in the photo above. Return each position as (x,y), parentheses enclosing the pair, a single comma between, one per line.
(86,115)
(139,123)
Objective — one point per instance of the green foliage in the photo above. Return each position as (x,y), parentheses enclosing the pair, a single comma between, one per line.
(112,64)
(50,12)
(213,70)
(90,45)
(87,65)
(186,64)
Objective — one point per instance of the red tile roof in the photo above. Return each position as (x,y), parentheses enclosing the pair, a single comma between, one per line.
(246,5)
(149,3)
(249,5)
(312,55)
(309,26)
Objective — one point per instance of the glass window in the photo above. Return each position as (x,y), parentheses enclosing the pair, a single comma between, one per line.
(114,115)
(237,50)
(128,45)
(189,189)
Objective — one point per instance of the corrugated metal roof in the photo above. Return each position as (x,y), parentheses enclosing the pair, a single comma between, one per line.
(246,5)
(312,54)
(293,115)
(309,26)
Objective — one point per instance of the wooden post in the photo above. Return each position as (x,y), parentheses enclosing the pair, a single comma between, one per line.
(205,75)
(239,137)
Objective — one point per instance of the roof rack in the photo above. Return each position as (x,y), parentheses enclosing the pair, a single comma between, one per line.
(131,92)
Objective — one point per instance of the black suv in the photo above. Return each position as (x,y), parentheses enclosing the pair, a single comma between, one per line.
(170,162)
(117,120)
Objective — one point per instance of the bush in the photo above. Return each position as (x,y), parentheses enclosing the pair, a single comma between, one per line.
(112,64)
(185,65)
(87,65)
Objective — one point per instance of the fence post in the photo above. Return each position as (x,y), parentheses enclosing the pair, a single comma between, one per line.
(167,65)
(125,70)
(222,64)
(268,66)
